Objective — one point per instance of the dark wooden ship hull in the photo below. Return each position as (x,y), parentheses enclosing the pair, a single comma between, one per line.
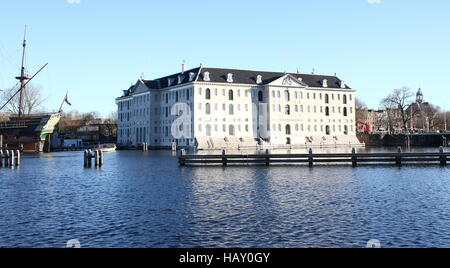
(31,134)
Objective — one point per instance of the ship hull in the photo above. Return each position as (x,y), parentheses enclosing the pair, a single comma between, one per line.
(30,134)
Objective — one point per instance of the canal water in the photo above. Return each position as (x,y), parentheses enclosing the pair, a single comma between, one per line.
(145,200)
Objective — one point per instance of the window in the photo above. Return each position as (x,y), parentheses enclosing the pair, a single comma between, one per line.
(208,108)
(260,96)
(327,99)
(287,110)
(328,130)
(231,109)
(232,131)
(208,130)
(208,94)
(345,130)
(288,129)
(327,111)
(345,111)
(287,96)
(230,95)
(345,99)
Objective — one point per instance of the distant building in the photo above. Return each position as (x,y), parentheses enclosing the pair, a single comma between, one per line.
(421,114)
(98,131)
(229,107)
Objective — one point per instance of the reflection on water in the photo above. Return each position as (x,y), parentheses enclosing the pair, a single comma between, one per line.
(145,200)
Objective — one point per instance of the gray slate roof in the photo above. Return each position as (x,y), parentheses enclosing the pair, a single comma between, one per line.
(219,75)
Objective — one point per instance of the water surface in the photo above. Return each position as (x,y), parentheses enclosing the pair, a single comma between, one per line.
(145,200)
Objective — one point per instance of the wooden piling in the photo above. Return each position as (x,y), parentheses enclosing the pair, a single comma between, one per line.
(1,142)
(97,158)
(18,158)
(443,157)
(6,158)
(310,158)
(1,157)
(354,158)
(182,160)
(224,159)
(267,158)
(398,158)
(174,146)
(12,159)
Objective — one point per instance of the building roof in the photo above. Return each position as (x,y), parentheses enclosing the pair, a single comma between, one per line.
(249,77)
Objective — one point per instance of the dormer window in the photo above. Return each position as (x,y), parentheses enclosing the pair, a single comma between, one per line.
(343,84)
(170,81)
(192,77)
(206,77)
(230,78)
(180,79)
(324,83)
(259,79)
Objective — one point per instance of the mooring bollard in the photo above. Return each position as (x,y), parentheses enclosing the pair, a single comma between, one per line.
(399,156)
(443,157)
(310,158)
(354,158)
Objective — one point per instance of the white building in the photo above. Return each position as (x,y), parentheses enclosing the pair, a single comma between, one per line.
(230,108)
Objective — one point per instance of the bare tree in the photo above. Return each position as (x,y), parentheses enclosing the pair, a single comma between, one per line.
(361,110)
(398,102)
(33,100)
(110,125)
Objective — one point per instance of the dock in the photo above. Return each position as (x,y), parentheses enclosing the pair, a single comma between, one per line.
(354,159)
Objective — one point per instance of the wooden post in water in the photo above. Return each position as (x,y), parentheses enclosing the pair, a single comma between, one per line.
(6,158)
(224,159)
(85,158)
(443,158)
(444,141)
(97,158)
(101,160)
(1,157)
(1,142)
(182,160)
(310,158)
(12,159)
(267,158)
(398,158)
(354,158)
(18,158)
(174,146)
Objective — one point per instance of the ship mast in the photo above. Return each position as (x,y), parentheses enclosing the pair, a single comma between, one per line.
(23,78)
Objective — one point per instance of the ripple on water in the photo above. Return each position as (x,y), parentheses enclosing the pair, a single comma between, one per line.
(146,200)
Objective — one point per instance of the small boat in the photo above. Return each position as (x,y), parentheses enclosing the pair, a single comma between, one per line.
(106,148)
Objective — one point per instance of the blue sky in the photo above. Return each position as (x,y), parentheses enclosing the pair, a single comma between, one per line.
(97,48)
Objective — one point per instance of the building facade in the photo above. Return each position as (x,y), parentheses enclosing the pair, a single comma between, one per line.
(214,108)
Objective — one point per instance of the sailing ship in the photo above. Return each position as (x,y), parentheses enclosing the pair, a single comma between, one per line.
(29,133)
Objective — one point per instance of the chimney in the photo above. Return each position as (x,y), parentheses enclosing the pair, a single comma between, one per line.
(183,67)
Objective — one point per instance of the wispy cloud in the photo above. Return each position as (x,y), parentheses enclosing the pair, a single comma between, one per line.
(374,1)
(73,1)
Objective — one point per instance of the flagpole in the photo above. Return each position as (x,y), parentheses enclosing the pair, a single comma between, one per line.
(60,108)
